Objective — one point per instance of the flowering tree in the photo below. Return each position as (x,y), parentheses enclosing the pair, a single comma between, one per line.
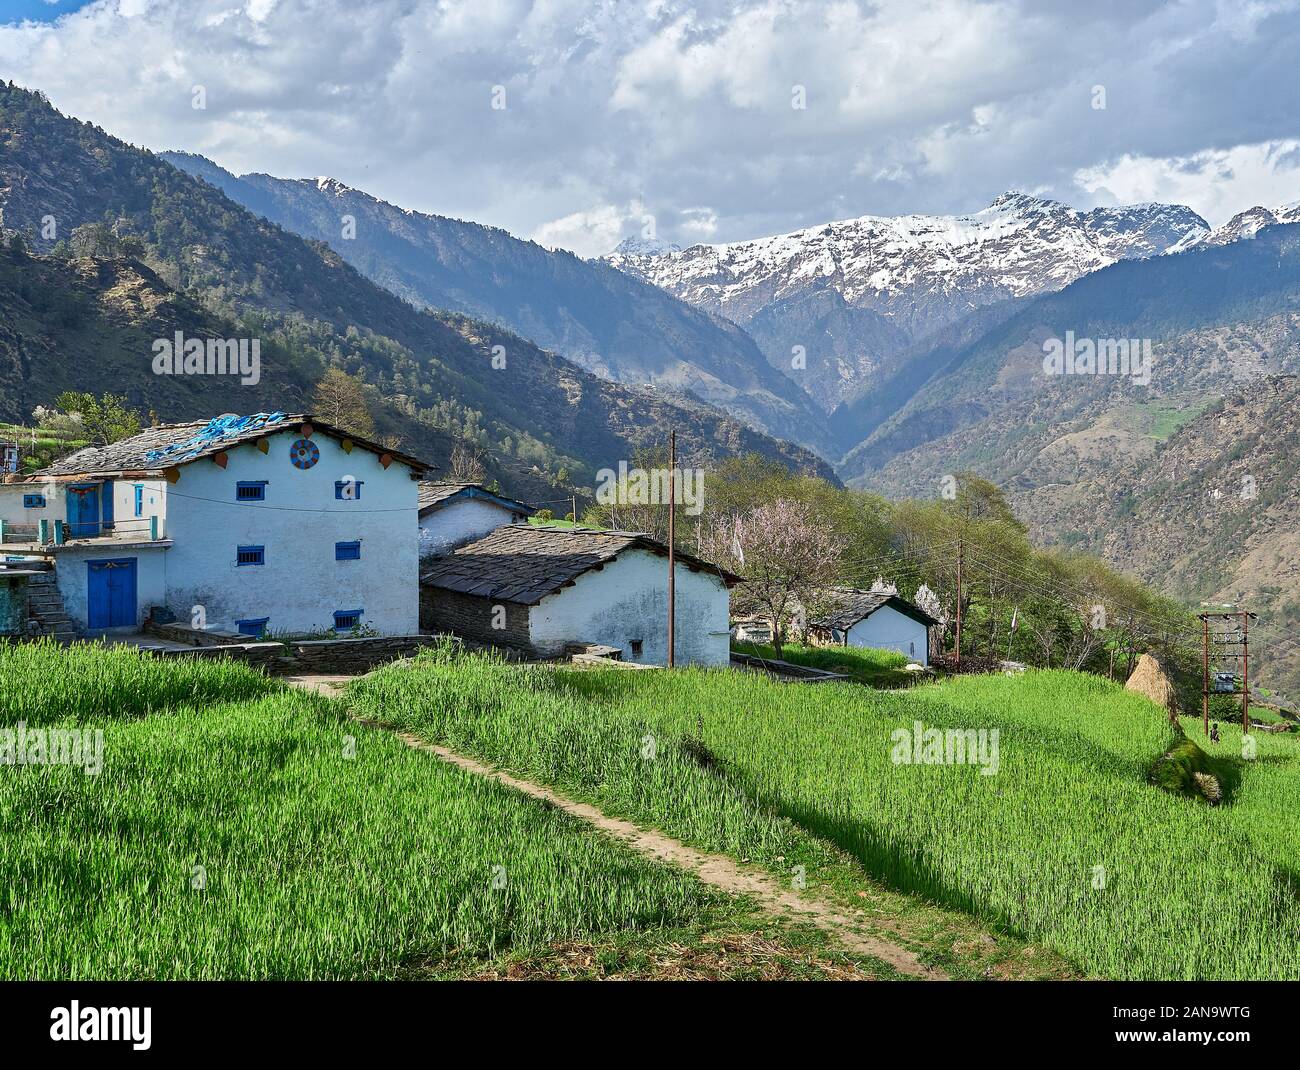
(786,557)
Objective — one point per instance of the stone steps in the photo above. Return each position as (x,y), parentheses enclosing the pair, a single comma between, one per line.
(46,610)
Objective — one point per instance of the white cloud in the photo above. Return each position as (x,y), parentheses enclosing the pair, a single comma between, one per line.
(589,233)
(1217,183)
(912,105)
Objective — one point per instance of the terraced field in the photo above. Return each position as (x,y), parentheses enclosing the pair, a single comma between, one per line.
(1068,843)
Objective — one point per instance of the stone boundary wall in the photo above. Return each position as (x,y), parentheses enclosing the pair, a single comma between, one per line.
(325,657)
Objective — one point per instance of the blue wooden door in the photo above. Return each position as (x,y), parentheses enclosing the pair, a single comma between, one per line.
(83,511)
(110,593)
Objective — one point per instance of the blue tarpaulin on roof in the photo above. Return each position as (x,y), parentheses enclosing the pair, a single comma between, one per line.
(211,434)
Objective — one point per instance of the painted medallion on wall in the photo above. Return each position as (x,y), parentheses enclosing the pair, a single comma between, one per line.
(304,453)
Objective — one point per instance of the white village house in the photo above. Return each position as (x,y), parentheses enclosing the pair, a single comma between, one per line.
(268,522)
(454,513)
(540,590)
(879,618)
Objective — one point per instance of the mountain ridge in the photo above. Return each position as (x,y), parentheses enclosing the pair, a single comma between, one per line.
(920,273)
(616,327)
(436,376)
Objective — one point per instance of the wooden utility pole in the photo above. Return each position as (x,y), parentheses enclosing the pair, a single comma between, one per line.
(1205,674)
(672,535)
(1245,672)
(960,550)
(1240,638)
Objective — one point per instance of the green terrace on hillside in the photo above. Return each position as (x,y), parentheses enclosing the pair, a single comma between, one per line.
(1058,835)
(239,830)
(878,668)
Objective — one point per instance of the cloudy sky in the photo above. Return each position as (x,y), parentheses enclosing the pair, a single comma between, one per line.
(574,122)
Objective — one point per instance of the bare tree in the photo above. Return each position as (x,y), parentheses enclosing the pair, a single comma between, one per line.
(466,464)
(340,401)
(785,556)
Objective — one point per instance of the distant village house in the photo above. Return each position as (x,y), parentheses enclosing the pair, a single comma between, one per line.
(880,619)
(452,514)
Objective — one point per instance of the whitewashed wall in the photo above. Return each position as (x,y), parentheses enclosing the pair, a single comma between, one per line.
(154,504)
(301,585)
(458,521)
(888,629)
(627,600)
(13,513)
(72,575)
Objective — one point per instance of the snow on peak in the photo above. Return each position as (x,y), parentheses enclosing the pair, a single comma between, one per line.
(331,185)
(1245,225)
(921,270)
(636,246)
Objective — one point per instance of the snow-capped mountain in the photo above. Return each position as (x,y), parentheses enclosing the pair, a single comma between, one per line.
(917,273)
(635,246)
(1247,224)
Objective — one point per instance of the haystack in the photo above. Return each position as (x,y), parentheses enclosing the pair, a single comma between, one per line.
(1151,680)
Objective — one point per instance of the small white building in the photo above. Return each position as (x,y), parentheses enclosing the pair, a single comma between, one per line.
(878,619)
(452,514)
(266,523)
(539,590)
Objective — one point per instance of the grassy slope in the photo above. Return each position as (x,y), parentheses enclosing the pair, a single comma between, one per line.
(878,668)
(1189,891)
(318,865)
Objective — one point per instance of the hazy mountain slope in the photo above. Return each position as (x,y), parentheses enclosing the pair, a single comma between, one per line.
(920,273)
(605,321)
(90,324)
(434,371)
(1098,462)
(1212,513)
(1216,317)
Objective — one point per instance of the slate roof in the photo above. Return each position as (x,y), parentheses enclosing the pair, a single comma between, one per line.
(434,493)
(158,448)
(852,605)
(523,563)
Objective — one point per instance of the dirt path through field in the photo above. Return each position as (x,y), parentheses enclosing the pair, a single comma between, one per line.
(718,871)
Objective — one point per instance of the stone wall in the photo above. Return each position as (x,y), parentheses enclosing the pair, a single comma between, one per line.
(324,657)
(183,633)
(471,617)
(351,657)
(264,656)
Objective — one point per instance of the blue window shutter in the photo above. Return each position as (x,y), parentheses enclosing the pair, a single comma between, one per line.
(250,555)
(33,501)
(347,619)
(139,500)
(250,490)
(347,551)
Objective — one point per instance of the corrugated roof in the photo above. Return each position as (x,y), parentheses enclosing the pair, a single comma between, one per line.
(524,563)
(851,605)
(171,445)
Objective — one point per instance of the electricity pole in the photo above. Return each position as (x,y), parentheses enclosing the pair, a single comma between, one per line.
(1205,674)
(1245,671)
(672,534)
(957,659)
